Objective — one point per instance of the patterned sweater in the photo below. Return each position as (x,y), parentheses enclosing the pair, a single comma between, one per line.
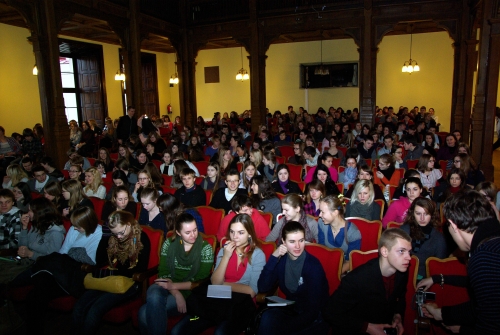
(10,228)
(181,270)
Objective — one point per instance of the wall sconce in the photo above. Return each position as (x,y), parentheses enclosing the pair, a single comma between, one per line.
(35,70)
(174,80)
(120,76)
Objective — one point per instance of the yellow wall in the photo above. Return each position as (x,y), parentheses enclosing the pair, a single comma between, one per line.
(282,75)
(19,94)
(282,78)
(227,95)
(19,97)
(431,87)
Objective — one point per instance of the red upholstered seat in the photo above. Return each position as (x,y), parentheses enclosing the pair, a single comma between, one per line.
(211,218)
(448,295)
(98,205)
(370,232)
(358,257)
(202,167)
(332,261)
(295,172)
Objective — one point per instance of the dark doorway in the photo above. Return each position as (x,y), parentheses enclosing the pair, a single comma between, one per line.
(149,84)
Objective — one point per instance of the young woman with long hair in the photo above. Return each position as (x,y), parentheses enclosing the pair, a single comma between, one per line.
(46,233)
(428,174)
(121,200)
(150,212)
(398,209)
(473,175)
(385,172)
(284,184)
(14,175)
(167,166)
(421,223)
(93,184)
(72,191)
(239,264)
(127,252)
(226,160)
(171,207)
(322,174)
(334,231)
(213,180)
(104,156)
(22,194)
(293,205)
(185,258)
(53,192)
(264,197)
(362,202)
(315,190)
(123,152)
(249,171)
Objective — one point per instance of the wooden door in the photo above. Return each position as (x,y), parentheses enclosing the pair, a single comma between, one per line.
(91,94)
(149,84)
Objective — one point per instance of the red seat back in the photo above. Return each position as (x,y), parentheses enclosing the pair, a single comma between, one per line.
(295,172)
(268,217)
(98,205)
(211,218)
(370,232)
(268,248)
(167,189)
(208,196)
(331,260)
(286,151)
(202,167)
(411,313)
(448,295)
(358,257)
(167,180)
(157,163)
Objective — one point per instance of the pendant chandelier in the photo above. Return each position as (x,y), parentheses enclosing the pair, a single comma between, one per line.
(242,73)
(411,65)
(321,70)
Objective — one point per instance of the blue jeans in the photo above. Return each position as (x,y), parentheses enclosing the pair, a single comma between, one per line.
(92,306)
(160,304)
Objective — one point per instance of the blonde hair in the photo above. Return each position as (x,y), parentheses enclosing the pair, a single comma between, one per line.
(16,173)
(257,154)
(94,186)
(75,189)
(361,184)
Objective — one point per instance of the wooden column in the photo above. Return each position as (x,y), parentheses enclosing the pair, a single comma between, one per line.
(465,62)
(186,65)
(471,65)
(132,60)
(462,79)
(46,49)
(367,68)
(257,70)
(483,114)
(187,84)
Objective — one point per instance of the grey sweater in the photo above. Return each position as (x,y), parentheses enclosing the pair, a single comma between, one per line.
(273,206)
(42,245)
(435,246)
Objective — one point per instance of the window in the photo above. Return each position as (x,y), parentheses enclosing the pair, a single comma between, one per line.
(69,88)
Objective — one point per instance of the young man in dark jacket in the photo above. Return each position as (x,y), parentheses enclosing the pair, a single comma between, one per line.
(372,296)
